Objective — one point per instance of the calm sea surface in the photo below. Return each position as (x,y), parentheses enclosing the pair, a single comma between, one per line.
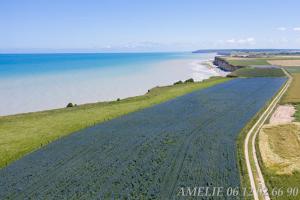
(31,64)
(34,82)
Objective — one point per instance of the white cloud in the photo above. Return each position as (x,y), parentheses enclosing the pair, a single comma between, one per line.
(296,29)
(231,41)
(241,41)
(145,46)
(276,41)
(281,28)
(246,41)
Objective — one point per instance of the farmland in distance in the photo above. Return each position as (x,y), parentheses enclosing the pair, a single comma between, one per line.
(258,72)
(189,141)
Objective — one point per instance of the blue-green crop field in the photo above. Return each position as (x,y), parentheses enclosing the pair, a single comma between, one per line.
(189,141)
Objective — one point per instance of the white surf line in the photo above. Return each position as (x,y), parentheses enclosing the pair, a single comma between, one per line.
(259,124)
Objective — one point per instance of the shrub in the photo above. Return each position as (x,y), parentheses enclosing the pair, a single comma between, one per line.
(231,75)
(178,82)
(189,80)
(70,105)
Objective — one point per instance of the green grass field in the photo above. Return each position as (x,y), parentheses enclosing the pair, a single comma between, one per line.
(24,133)
(297,114)
(285,182)
(247,62)
(293,93)
(293,69)
(258,72)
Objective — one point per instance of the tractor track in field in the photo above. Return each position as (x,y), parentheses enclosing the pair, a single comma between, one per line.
(176,168)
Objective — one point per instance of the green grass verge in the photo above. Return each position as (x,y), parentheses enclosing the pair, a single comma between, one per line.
(258,72)
(293,69)
(293,93)
(24,133)
(283,182)
(244,176)
(297,114)
(245,182)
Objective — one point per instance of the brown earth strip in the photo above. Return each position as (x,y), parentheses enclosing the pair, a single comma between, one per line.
(287,63)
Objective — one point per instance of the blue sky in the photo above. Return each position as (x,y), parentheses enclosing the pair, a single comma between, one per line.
(142,25)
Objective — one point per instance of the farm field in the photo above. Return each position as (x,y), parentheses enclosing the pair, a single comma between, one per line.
(292,66)
(297,114)
(149,154)
(280,159)
(279,156)
(247,62)
(274,60)
(24,133)
(280,147)
(258,72)
(293,93)
(293,69)
(287,63)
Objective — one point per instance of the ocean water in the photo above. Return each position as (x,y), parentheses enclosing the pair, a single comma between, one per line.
(34,82)
(30,64)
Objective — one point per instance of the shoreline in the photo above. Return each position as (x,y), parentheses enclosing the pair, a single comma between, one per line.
(103,102)
(92,86)
(35,131)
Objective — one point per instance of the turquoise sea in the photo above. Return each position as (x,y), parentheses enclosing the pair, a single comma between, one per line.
(34,82)
(32,64)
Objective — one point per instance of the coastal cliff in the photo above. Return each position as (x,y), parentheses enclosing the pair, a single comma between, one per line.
(224,65)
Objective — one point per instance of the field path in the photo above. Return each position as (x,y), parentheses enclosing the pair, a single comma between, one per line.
(257,181)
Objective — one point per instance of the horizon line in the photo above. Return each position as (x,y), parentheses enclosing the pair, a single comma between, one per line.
(74,51)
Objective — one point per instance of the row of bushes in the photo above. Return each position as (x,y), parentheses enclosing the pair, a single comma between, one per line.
(70,105)
(191,80)
(186,81)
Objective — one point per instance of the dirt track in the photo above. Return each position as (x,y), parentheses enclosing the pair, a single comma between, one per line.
(257,181)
